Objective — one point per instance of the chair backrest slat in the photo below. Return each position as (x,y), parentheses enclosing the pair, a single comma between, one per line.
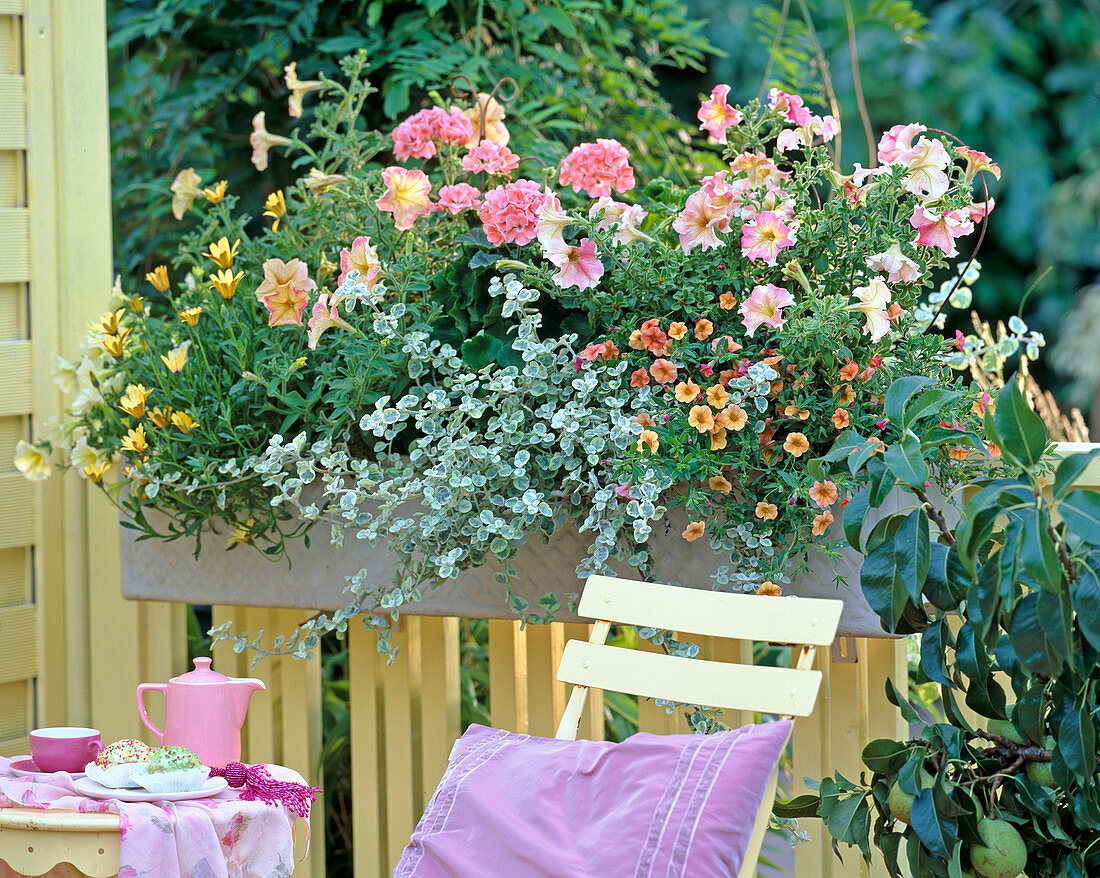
(810,621)
(783,691)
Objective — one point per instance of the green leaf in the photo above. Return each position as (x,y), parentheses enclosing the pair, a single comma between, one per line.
(912,553)
(934,400)
(806,805)
(884,756)
(558,20)
(1077,744)
(1070,469)
(1080,510)
(1023,431)
(899,394)
(1086,600)
(983,693)
(1037,552)
(939,588)
(882,585)
(905,461)
(901,703)
(1028,639)
(850,822)
(932,652)
(1056,619)
(936,832)
(854,514)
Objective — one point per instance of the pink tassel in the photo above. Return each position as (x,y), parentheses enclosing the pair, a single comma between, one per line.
(261,786)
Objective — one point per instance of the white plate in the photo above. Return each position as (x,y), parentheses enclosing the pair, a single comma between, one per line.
(92,790)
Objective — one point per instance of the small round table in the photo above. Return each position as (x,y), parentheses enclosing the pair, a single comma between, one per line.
(34,840)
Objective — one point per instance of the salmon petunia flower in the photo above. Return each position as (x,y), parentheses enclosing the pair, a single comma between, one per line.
(766,511)
(578,266)
(298,89)
(361,257)
(185,189)
(284,291)
(406,196)
(663,371)
(325,316)
(940,228)
(720,484)
(694,530)
(262,141)
(715,115)
(701,418)
(687,391)
(823,493)
(977,161)
(821,523)
(841,419)
(649,440)
(796,444)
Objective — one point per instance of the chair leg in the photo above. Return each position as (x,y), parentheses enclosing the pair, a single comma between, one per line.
(759,828)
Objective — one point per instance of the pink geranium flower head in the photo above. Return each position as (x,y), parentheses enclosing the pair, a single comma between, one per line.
(874,301)
(490,158)
(715,115)
(940,228)
(927,162)
(361,257)
(510,212)
(406,196)
(764,236)
(578,266)
(416,137)
(897,141)
(765,307)
(458,197)
(325,316)
(598,168)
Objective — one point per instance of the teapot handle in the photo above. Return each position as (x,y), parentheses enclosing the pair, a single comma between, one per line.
(141,690)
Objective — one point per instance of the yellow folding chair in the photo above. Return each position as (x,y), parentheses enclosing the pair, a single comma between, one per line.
(803,623)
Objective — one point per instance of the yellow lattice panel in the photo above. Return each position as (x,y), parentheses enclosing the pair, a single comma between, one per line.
(18,659)
(16,716)
(15,367)
(13,102)
(13,179)
(15,576)
(15,262)
(17,512)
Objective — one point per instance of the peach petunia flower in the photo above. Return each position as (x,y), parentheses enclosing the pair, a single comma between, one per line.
(663,371)
(766,511)
(940,228)
(325,316)
(701,418)
(649,440)
(262,141)
(841,419)
(976,161)
(298,88)
(823,493)
(284,291)
(487,111)
(406,196)
(678,330)
(796,444)
(821,523)
(694,530)
(873,301)
(361,256)
(687,391)
(719,483)
(185,189)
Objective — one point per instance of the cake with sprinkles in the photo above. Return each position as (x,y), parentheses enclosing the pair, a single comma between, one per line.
(118,762)
(172,770)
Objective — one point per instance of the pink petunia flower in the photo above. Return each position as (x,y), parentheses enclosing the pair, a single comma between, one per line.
(874,300)
(490,158)
(981,209)
(897,141)
(325,316)
(927,163)
(510,212)
(976,161)
(458,197)
(406,196)
(716,115)
(284,291)
(624,218)
(552,220)
(598,168)
(578,266)
(699,222)
(940,228)
(765,307)
(758,169)
(897,265)
(790,107)
(362,257)
(764,236)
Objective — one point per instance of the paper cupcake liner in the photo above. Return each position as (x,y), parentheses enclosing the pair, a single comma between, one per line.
(187,780)
(117,776)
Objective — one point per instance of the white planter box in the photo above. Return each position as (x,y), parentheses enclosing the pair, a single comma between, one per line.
(316,577)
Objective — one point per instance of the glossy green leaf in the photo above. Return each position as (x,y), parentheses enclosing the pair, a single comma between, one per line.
(1023,434)
(1028,639)
(931,401)
(912,553)
(884,756)
(936,832)
(1077,744)
(932,652)
(1080,510)
(899,393)
(1070,469)
(1086,600)
(806,805)
(906,463)
(983,693)
(854,514)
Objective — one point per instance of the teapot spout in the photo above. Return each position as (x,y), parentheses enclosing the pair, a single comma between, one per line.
(243,687)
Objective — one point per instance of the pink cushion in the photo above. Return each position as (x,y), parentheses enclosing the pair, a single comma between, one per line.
(653,806)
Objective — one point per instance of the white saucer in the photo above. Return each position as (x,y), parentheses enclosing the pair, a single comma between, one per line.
(86,786)
(23,766)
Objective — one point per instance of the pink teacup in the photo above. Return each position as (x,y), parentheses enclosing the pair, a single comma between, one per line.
(64,748)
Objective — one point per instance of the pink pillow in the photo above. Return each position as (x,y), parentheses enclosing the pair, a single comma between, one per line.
(653,806)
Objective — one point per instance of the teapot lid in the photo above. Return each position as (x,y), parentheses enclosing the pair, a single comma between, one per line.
(201,675)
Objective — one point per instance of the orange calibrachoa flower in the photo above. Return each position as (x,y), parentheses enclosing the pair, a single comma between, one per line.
(635,340)
(639,378)
(663,371)
(654,339)
(717,438)
(821,523)
(849,372)
(766,511)
(703,329)
(840,419)
(823,493)
(769,589)
(737,417)
(796,444)
(726,301)
(959,452)
(693,531)
(650,440)
(687,391)
(793,411)
(993,450)
(719,483)
(847,395)
(717,396)
(701,418)
(645,420)
(678,330)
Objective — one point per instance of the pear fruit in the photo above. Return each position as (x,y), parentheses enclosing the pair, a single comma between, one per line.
(900,802)
(1002,853)
(1006,729)
(1041,773)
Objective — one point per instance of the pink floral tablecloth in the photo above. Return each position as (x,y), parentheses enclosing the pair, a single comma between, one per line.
(217,837)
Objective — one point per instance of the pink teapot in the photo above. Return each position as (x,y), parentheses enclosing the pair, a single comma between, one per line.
(205,711)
